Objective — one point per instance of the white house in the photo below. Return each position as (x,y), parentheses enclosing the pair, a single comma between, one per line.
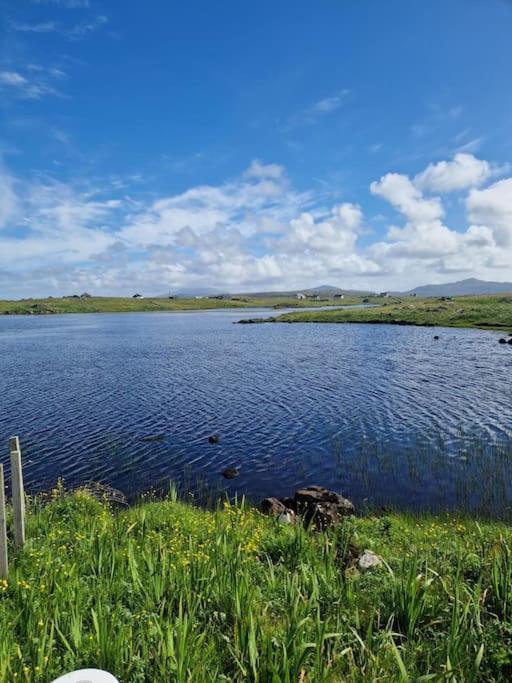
(301,296)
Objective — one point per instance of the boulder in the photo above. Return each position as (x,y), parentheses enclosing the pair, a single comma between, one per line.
(369,560)
(320,507)
(503,341)
(288,503)
(230,472)
(272,506)
(317,506)
(214,438)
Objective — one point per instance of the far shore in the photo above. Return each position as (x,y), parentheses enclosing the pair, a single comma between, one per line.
(493,312)
(480,312)
(86,304)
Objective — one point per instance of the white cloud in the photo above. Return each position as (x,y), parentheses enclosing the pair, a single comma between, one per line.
(34,87)
(75,32)
(261,199)
(8,199)
(425,246)
(312,114)
(462,172)
(259,170)
(407,198)
(41,27)
(79,31)
(71,4)
(12,78)
(492,209)
(254,231)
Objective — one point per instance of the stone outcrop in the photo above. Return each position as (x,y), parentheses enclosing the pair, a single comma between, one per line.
(272,506)
(315,505)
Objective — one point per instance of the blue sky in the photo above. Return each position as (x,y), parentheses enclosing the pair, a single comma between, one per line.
(243,146)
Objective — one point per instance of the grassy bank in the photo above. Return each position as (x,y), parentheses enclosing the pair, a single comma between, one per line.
(167,592)
(491,312)
(130,305)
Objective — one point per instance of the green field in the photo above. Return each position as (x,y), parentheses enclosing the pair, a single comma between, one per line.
(167,592)
(494,312)
(130,305)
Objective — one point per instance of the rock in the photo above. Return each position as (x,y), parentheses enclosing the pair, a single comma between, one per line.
(436,337)
(503,341)
(288,503)
(272,506)
(214,438)
(369,560)
(287,517)
(316,505)
(230,472)
(320,507)
(509,341)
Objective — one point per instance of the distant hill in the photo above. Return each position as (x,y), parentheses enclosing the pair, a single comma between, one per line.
(190,293)
(322,290)
(462,287)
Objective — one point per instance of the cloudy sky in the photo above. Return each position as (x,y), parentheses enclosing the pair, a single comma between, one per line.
(245,146)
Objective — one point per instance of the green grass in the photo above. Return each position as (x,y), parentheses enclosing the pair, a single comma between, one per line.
(167,592)
(129,305)
(494,312)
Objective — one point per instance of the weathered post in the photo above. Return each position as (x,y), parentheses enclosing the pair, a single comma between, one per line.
(18,493)
(4,562)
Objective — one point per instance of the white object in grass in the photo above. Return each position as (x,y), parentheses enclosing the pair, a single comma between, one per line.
(87,676)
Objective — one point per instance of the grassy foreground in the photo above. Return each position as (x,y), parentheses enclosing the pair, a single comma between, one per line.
(129,305)
(167,592)
(490,312)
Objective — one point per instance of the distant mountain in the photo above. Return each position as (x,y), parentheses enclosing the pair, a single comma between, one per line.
(462,287)
(324,290)
(190,293)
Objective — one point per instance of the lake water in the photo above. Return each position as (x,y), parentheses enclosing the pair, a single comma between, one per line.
(381,413)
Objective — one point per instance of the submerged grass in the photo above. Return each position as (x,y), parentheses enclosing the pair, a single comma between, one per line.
(488,312)
(164,591)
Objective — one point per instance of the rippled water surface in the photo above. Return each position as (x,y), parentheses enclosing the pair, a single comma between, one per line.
(378,412)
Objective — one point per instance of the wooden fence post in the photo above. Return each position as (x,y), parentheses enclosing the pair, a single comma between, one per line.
(18,493)
(4,562)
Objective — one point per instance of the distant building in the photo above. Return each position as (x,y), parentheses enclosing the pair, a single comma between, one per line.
(339,296)
(137,296)
(300,296)
(385,295)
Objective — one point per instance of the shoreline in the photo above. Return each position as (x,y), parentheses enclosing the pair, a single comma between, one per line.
(64,306)
(493,313)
